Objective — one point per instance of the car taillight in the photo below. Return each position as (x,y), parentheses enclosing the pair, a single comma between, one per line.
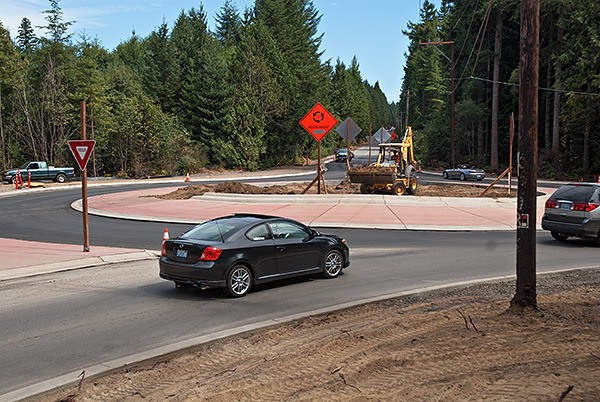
(210,254)
(584,206)
(163,249)
(550,204)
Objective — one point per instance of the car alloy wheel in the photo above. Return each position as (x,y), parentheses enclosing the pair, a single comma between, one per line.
(445,175)
(239,281)
(333,264)
(463,177)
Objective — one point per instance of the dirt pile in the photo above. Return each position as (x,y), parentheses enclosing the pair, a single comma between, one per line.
(235,187)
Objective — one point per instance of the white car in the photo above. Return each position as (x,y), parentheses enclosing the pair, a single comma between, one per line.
(464,172)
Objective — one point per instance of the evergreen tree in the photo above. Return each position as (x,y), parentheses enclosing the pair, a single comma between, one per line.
(205,91)
(229,24)
(428,88)
(160,75)
(26,39)
(258,72)
(132,54)
(57,28)
(293,24)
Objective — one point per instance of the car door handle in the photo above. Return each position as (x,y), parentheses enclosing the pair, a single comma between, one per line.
(281,248)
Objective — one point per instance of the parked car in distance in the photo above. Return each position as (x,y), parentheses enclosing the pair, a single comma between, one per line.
(39,170)
(238,251)
(573,210)
(341,155)
(464,172)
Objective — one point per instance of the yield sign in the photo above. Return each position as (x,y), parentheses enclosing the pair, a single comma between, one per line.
(318,121)
(82,149)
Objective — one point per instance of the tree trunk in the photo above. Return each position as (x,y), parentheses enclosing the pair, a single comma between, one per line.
(557,86)
(587,132)
(495,93)
(548,111)
(4,164)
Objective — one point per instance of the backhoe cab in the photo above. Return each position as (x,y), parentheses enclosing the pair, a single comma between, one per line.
(393,172)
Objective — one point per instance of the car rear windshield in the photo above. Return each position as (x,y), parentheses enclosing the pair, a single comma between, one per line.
(574,193)
(217,230)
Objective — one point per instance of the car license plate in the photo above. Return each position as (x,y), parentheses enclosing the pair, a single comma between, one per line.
(180,253)
(565,206)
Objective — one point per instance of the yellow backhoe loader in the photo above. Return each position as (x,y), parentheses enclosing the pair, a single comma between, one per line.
(393,172)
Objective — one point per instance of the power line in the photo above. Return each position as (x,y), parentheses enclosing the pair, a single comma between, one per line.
(564,91)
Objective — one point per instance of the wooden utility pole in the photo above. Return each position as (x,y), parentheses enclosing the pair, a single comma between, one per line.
(525,295)
(84,194)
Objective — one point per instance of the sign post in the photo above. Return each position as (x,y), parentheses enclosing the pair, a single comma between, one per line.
(318,122)
(82,149)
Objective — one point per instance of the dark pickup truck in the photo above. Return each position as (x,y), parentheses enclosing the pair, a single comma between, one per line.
(39,171)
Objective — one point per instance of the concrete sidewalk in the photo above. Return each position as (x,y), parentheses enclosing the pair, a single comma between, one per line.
(374,211)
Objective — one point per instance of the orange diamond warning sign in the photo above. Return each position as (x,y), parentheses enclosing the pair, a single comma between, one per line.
(318,122)
(82,149)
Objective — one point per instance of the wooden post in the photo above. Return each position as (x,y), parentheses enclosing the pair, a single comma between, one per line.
(84,195)
(510,154)
(319,167)
(525,295)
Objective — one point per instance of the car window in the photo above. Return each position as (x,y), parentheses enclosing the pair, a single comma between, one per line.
(217,230)
(33,166)
(574,193)
(258,233)
(287,230)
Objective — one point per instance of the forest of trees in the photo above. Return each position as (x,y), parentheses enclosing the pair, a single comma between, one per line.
(184,97)
(486,40)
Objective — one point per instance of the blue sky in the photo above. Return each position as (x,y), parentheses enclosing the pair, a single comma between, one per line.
(371,30)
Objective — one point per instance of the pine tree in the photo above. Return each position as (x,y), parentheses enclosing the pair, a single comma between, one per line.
(228,24)
(293,25)
(160,74)
(26,39)
(205,93)
(57,28)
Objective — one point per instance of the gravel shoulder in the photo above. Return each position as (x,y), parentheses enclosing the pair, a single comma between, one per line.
(446,345)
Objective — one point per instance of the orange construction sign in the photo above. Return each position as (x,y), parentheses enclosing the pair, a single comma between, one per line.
(318,122)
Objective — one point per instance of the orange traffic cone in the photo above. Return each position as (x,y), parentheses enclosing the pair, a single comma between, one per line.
(163,249)
(187,177)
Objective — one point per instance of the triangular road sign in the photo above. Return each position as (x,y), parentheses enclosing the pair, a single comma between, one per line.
(82,149)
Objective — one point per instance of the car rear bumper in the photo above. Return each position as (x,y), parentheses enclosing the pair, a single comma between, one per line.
(588,230)
(185,273)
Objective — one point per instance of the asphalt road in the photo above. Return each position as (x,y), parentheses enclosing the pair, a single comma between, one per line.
(64,322)
(59,323)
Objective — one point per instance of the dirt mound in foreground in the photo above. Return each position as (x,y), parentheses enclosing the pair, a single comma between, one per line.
(449,345)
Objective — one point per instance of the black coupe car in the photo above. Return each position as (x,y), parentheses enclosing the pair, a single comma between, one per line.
(237,251)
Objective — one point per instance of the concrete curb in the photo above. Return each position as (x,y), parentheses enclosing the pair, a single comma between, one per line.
(81,263)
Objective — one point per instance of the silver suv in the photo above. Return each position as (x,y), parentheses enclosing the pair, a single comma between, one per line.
(574,210)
